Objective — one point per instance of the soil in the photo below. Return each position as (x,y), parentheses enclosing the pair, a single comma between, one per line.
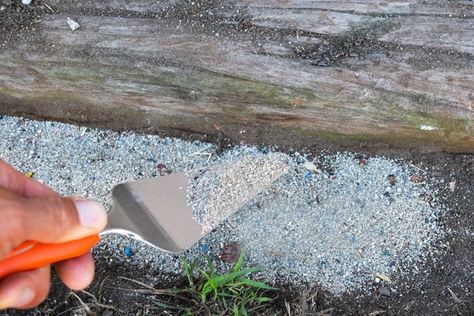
(17,21)
(444,286)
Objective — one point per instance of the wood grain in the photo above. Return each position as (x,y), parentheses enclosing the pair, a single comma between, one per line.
(339,73)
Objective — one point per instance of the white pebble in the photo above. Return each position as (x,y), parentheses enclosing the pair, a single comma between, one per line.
(72,24)
(452,186)
(311,166)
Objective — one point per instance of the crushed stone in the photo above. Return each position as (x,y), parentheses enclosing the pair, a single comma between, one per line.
(340,224)
(217,193)
(342,227)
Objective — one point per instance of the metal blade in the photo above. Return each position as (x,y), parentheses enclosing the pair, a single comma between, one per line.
(155,211)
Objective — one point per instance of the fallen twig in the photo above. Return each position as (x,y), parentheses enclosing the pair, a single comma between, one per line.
(455,297)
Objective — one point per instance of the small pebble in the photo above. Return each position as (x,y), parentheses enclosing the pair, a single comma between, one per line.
(163,170)
(29,174)
(452,186)
(384,292)
(416,179)
(383,277)
(426,197)
(72,24)
(392,179)
(128,252)
(26,2)
(311,167)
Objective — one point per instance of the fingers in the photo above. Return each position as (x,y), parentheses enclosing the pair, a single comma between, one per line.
(17,182)
(48,220)
(31,211)
(28,289)
(77,273)
(25,289)
(64,219)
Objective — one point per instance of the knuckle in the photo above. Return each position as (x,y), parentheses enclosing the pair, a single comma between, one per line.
(60,214)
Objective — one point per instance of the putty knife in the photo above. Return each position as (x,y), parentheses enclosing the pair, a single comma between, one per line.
(153,210)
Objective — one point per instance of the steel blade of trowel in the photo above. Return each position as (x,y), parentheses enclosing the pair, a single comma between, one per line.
(156,211)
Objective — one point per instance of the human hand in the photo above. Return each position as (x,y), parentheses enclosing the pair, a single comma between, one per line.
(31,211)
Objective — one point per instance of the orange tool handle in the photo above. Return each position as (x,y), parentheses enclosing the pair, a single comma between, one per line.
(33,255)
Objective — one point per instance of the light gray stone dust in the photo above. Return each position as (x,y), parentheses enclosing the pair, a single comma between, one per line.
(217,193)
(334,221)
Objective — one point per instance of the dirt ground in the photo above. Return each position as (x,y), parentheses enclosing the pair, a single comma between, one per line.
(444,286)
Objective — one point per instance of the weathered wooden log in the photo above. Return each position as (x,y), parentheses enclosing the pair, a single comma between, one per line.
(345,73)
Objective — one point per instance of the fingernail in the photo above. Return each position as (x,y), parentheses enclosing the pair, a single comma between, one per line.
(18,300)
(91,214)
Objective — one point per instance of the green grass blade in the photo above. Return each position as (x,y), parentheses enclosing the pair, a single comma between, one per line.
(227,278)
(187,312)
(257,284)
(247,297)
(212,269)
(209,286)
(225,295)
(194,264)
(236,310)
(239,262)
(243,310)
(189,273)
(233,291)
(264,299)
(205,291)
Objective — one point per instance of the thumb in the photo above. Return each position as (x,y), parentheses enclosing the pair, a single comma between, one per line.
(48,219)
(64,219)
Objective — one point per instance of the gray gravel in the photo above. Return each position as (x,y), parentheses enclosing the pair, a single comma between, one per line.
(336,223)
(217,193)
(340,228)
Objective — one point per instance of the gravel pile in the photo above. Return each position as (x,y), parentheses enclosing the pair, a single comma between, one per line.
(215,194)
(340,221)
(340,227)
